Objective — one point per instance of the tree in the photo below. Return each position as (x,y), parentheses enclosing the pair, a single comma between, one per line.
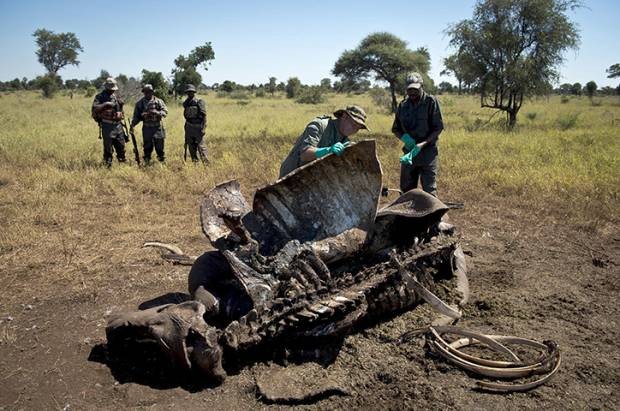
(185,71)
(49,84)
(384,56)
(513,49)
(576,89)
(293,87)
(590,89)
(157,80)
(566,88)
(326,84)
(228,86)
(57,50)
(98,82)
(445,87)
(456,65)
(613,71)
(271,87)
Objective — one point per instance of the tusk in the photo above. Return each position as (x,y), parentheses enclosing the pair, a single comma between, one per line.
(169,247)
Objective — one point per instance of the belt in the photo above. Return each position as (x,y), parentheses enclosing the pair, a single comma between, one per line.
(110,121)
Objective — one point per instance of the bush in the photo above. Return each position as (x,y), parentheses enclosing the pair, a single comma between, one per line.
(239,95)
(564,99)
(90,91)
(567,121)
(260,92)
(49,85)
(311,95)
(531,116)
(381,98)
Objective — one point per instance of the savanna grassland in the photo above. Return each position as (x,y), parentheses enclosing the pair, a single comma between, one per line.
(540,224)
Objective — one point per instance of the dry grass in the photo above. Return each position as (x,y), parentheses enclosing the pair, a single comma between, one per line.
(65,218)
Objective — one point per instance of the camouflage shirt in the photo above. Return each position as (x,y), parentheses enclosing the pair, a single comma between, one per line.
(320,132)
(156,109)
(195,111)
(110,114)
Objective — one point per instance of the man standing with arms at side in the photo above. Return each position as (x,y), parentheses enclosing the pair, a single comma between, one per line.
(151,110)
(195,113)
(107,110)
(418,124)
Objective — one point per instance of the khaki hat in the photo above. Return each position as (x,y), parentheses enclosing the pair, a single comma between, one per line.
(146,87)
(357,114)
(110,84)
(414,80)
(190,87)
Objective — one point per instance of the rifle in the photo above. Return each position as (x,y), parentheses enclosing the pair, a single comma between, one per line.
(136,153)
(100,130)
(185,153)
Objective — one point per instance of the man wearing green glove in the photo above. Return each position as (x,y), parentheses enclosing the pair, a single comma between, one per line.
(417,124)
(324,135)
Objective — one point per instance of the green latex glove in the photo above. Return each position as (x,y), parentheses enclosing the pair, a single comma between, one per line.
(409,141)
(408,158)
(337,149)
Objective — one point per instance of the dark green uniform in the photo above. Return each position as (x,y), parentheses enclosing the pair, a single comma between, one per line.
(195,113)
(153,132)
(320,132)
(109,120)
(423,122)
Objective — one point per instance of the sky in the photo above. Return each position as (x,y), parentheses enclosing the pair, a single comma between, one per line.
(254,40)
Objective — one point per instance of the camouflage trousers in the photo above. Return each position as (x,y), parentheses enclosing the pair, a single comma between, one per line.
(153,137)
(426,173)
(113,138)
(194,138)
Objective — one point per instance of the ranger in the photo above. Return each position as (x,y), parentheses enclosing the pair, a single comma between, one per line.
(418,124)
(195,113)
(324,135)
(107,111)
(151,110)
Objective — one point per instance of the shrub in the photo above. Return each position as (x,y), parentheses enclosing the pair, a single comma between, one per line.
(90,91)
(567,121)
(564,99)
(260,92)
(531,116)
(239,95)
(311,95)
(381,98)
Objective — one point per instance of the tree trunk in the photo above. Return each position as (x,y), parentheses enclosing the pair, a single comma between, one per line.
(512,119)
(394,102)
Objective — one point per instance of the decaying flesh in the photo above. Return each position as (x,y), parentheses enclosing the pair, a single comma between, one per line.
(312,260)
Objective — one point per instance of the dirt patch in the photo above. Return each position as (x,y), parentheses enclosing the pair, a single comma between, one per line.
(539,282)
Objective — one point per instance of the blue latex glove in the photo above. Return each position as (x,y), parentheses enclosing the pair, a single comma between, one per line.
(337,149)
(408,158)
(409,141)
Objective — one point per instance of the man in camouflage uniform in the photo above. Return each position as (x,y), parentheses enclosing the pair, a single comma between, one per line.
(151,110)
(195,113)
(324,135)
(107,110)
(418,124)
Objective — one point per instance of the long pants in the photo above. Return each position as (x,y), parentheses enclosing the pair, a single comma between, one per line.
(194,138)
(113,138)
(427,173)
(153,137)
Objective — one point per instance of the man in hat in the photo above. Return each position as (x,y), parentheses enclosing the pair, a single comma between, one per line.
(324,135)
(107,110)
(195,113)
(417,124)
(151,110)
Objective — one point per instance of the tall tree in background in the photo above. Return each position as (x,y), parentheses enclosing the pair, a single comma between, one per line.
(271,86)
(613,71)
(56,51)
(186,67)
(590,89)
(157,80)
(384,56)
(513,49)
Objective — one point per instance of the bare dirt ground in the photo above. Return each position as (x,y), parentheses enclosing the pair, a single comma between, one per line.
(530,273)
